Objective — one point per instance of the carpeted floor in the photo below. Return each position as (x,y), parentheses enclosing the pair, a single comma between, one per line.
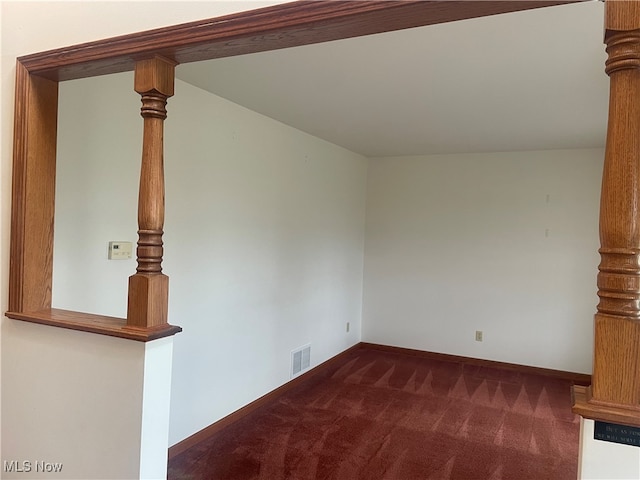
(383,415)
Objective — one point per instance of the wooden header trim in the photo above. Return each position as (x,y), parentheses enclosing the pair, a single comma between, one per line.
(286,25)
(281,26)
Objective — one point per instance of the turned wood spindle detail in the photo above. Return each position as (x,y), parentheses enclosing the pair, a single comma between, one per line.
(619,282)
(617,325)
(149,288)
(614,394)
(151,195)
(619,270)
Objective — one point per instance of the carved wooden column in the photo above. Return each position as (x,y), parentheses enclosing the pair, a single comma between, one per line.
(615,391)
(149,287)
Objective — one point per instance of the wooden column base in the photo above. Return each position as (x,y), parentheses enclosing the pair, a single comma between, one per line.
(616,369)
(615,389)
(586,406)
(148,300)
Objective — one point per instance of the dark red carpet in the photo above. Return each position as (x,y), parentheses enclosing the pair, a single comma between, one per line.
(381,415)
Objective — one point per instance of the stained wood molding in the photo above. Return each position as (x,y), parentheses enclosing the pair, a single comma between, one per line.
(148,296)
(91,323)
(614,394)
(271,28)
(585,405)
(575,378)
(280,26)
(33,196)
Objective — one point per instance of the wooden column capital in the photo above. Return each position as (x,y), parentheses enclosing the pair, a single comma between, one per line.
(155,74)
(621,15)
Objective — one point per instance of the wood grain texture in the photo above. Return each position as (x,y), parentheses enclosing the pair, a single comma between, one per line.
(100,324)
(18,206)
(149,289)
(154,81)
(33,196)
(586,406)
(617,331)
(620,15)
(281,26)
(148,300)
(616,364)
(615,391)
(155,74)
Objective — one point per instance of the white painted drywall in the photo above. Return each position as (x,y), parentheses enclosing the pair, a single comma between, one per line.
(263,245)
(90,407)
(505,243)
(156,396)
(96,405)
(96,192)
(600,460)
(36,26)
(72,398)
(29,27)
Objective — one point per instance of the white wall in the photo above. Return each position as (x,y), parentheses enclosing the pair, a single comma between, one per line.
(71,398)
(263,245)
(156,403)
(98,171)
(97,406)
(505,243)
(605,460)
(29,27)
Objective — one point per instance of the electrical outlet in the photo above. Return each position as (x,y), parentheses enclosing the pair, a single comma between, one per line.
(348,325)
(478,335)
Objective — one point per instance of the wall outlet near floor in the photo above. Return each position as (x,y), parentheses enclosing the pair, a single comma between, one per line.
(478,335)
(348,325)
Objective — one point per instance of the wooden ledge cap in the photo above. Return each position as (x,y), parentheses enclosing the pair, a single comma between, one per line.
(98,324)
(584,405)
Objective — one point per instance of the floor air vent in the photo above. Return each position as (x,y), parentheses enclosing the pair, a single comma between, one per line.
(300,360)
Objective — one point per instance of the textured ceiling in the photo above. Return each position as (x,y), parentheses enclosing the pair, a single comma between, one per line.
(520,81)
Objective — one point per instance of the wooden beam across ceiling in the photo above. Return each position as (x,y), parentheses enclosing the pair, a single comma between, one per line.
(281,26)
(271,28)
